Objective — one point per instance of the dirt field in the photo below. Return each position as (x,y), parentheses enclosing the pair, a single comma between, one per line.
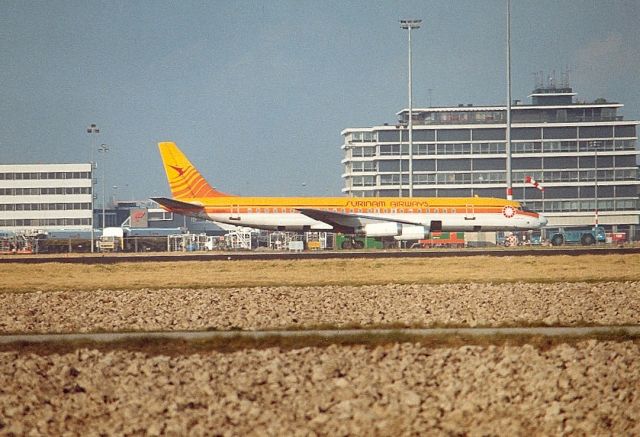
(394,305)
(589,388)
(224,274)
(482,387)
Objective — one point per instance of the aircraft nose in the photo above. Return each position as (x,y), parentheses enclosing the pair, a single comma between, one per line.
(543,221)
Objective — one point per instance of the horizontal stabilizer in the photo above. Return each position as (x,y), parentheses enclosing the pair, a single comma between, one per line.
(174,205)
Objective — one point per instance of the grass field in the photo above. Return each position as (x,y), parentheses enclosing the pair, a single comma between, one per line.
(194,274)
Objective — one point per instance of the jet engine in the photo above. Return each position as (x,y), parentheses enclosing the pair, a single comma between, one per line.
(397,230)
(412,232)
(386,229)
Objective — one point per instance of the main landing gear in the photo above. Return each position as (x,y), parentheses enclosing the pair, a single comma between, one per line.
(352,243)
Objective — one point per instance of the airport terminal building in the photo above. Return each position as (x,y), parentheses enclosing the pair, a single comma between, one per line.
(582,154)
(56,199)
(45,197)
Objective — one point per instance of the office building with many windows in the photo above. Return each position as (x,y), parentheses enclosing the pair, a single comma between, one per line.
(44,197)
(584,155)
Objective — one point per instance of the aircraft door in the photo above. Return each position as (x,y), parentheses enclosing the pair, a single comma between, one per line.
(469,212)
(235,212)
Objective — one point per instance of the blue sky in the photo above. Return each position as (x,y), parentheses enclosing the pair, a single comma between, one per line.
(256,93)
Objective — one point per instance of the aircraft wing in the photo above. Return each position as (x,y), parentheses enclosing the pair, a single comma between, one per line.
(347,222)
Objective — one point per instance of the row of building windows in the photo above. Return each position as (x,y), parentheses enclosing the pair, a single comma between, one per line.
(363,181)
(44,191)
(363,152)
(518,116)
(440,149)
(588,175)
(561,192)
(44,206)
(519,192)
(364,166)
(436,149)
(573,146)
(462,117)
(499,177)
(583,205)
(494,148)
(364,137)
(624,165)
(586,133)
(46,222)
(422,179)
(45,175)
(575,205)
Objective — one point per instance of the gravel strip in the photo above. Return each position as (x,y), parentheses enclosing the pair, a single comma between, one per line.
(610,303)
(589,388)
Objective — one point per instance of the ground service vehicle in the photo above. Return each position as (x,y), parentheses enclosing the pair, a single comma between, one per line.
(443,239)
(586,237)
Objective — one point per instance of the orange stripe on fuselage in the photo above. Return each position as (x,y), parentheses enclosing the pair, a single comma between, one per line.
(364,211)
(385,205)
(528,213)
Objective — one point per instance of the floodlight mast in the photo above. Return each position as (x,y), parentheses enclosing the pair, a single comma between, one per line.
(409,25)
(92,130)
(104,149)
(508,128)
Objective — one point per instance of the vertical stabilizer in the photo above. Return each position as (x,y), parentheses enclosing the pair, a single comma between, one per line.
(184,179)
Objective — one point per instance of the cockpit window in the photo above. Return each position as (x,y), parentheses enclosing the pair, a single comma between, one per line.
(523,207)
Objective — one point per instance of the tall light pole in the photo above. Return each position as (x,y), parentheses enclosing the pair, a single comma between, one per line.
(409,25)
(508,129)
(400,126)
(93,130)
(115,194)
(103,149)
(400,166)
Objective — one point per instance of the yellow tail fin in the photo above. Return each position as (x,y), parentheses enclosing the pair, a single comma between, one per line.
(184,179)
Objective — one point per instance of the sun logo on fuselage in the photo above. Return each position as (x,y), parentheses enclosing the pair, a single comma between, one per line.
(508,211)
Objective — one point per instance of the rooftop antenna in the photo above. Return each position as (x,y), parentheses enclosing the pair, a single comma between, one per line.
(537,79)
(567,72)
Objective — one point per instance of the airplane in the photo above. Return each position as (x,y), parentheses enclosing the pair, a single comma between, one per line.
(393,218)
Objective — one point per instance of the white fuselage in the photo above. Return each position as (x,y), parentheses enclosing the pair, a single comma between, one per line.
(295,221)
